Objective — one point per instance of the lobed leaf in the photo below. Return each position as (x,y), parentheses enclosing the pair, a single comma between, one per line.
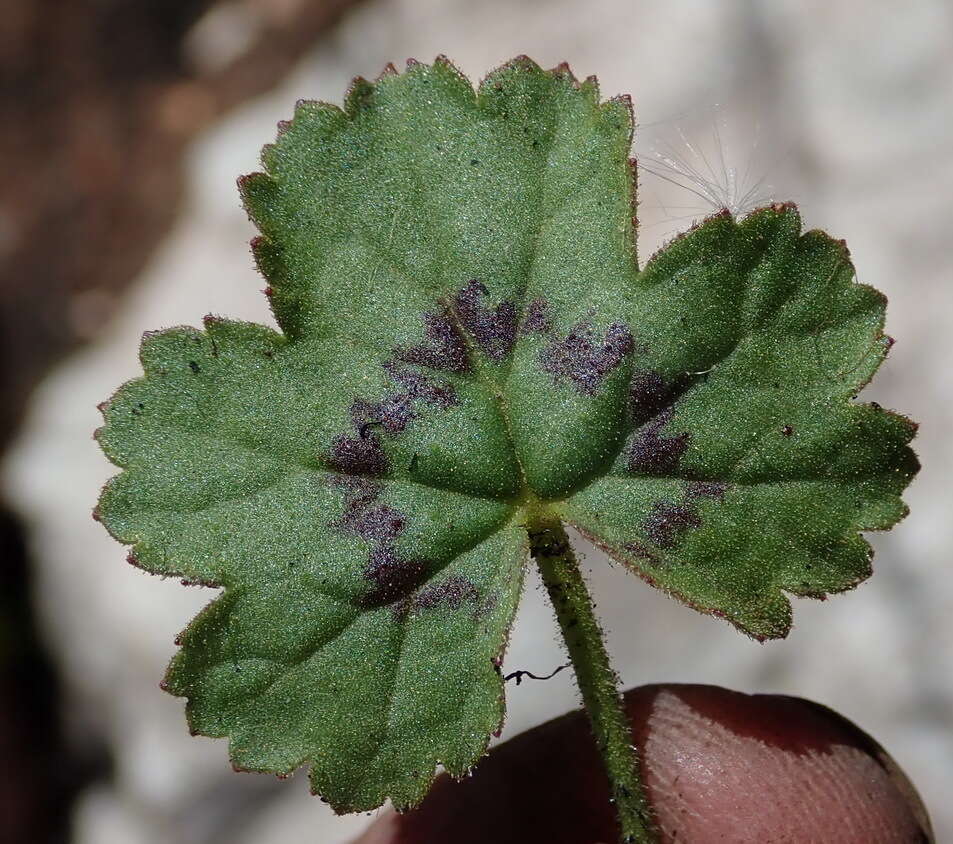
(465,333)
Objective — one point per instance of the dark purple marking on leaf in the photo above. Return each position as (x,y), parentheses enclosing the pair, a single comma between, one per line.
(393,577)
(392,415)
(667,522)
(492,329)
(358,494)
(536,319)
(579,358)
(444,350)
(379,522)
(649,394)
(787,431)
(360,455)
(706,489)
(418,386)
(652,453)
(452,592)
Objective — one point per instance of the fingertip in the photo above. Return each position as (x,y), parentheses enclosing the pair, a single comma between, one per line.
(722,765)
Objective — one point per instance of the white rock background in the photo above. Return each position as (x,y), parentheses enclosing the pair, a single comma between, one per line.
(852,106)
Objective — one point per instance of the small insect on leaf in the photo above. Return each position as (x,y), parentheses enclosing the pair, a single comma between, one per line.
(466,335)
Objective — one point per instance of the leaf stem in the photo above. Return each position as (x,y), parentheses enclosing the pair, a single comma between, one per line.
(597,682)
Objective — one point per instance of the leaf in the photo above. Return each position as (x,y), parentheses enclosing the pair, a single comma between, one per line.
(465,334)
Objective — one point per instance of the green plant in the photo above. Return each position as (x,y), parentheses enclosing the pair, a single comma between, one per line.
(470,359)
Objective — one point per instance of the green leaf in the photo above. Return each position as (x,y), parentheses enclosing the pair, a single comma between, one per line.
(466,335)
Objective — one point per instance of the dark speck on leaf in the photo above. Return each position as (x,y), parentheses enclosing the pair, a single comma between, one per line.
(193,365)
(584,362)
(787,431)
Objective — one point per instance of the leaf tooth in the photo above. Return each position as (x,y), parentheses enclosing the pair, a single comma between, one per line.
(784,212)
(453,74)
(523,62)
(679,250)
(619,110)
(267,256)
(389,70)
(519,63)
(358,95)
(269,157)
(443,62)
(284,304)
(259,192)
(564,71)
(155,346)
(311,111)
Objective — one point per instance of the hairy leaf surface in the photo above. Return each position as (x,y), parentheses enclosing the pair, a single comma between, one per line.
(465,333)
